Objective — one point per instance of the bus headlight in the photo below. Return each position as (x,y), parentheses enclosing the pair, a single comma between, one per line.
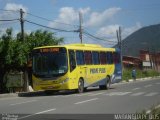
(66,80)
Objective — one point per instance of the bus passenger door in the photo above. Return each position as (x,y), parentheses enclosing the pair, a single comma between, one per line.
(72,66)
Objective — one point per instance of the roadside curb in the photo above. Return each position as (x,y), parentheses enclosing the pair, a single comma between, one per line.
(31,94)
(8,95)
(139,79)
(22,94)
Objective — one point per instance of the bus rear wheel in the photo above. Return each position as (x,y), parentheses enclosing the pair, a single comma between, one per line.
(107,84)
(80,86)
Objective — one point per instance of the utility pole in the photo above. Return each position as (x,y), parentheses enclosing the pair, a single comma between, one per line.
(117,32)
(120,41)
(80,27)
(150,58)
(22,24)
(26,84)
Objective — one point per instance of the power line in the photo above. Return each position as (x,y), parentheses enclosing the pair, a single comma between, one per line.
(40,17)
(98,37)
(51,20)
(6,23)
(61,30)
(9,20)
(9,10)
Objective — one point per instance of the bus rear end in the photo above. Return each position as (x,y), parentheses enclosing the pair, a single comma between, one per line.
(117,76)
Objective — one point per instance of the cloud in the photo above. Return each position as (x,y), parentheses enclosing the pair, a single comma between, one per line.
(109,31)
(130,30)
(68,15)
(15,7)
(99,18)
(85,10)
(12,13)
(91,19)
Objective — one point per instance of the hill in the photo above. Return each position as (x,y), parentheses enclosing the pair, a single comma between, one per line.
(147,38)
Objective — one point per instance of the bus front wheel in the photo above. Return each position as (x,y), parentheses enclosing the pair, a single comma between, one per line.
(80,86)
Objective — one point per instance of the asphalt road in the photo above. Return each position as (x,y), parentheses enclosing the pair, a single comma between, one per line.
(122,98)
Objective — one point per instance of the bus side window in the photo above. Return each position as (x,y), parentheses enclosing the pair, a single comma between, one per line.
(80,57)
(95,58)
(103,58)
(72,60)
(109,58)
(88,57)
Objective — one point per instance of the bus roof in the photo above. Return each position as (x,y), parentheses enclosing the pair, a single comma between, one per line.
(80,47)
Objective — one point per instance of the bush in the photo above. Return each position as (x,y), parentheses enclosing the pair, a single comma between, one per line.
(153,115)
(127,74)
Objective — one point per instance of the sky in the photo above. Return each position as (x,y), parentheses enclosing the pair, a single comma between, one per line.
(100,18)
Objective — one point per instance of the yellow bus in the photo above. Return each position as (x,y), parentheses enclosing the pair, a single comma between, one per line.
(72,67)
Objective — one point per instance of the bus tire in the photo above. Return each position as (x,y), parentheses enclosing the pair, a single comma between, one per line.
(80,86)
(85,89)
(102,87)
(108,83)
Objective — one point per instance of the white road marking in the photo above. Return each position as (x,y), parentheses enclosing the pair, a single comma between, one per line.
(37,113)
(137,94)
(67,95)
(135,88)
(151,94)
(23,102)
(118,93)
(94,94)
(83,94)
(158,83)
(148,86)
(86,101)
(9,98)
(45,111)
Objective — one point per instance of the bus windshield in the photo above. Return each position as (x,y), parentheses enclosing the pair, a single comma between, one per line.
(49,64)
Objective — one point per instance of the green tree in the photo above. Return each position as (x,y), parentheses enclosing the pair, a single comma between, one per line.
(42,38)
(6,53)
(14,52)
